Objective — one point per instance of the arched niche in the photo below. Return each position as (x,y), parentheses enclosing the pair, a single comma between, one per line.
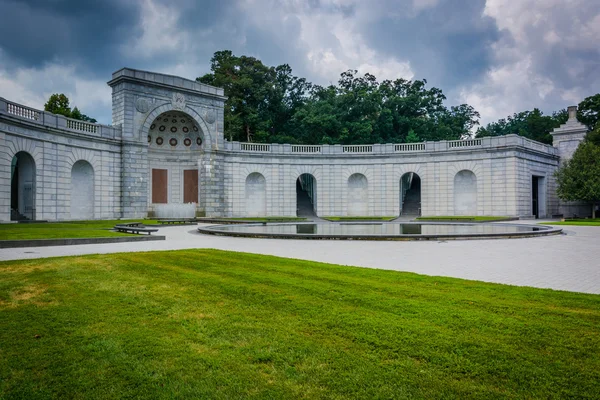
(82,190)
(358,195)
(256,195)
(465,193)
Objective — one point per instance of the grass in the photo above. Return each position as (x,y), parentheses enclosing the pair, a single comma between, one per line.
(580,222)
(359,218)
(223,325)
(464,218)
(267,219)
(63,230)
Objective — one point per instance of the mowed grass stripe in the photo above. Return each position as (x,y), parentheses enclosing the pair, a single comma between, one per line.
(215,324)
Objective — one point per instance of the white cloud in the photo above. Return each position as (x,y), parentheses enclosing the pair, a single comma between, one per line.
(533,66)
(160,34)
(32,87)
(330,40)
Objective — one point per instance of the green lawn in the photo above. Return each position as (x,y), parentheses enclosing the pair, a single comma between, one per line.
(266,219)
(359,218)
(464,218)
(580,222)
(221,325)
(63,230)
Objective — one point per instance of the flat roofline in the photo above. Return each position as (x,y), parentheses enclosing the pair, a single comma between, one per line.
(165,80)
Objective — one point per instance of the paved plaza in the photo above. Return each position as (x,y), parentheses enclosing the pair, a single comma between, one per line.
(564,262)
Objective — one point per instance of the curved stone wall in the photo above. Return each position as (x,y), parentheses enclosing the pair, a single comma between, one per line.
(84,170)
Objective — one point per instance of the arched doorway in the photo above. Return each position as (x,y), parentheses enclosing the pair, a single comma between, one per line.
(22,187)
(175,143)
(82,190)
(410,194)
(306,195)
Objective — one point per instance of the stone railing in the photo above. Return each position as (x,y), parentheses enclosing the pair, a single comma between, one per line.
(358,148)
(81,126)
(49,120)
(306,149)
(256,147)
(390,148)
(22,111)
(455,144)
(408,147)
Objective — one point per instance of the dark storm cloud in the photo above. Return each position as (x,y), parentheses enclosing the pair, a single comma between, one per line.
(34,32)
(448,44)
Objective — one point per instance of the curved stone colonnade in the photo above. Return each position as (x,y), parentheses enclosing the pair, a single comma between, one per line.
(489,176)
(165,156)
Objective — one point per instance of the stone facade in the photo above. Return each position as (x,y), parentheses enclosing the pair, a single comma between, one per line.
(165,155)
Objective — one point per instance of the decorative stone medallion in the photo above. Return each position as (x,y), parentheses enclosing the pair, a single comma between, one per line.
(178,101)
(142,105)
(210,117)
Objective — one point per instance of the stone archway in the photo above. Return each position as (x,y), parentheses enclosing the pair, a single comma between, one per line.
(22,185)
(306,195)
(410,194)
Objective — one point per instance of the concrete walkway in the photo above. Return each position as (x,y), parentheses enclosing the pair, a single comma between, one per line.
(564,262)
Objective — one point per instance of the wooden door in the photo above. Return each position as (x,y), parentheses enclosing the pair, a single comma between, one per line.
(160,186)
(190,186)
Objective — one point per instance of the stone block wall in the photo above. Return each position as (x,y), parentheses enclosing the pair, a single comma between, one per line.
(55,149)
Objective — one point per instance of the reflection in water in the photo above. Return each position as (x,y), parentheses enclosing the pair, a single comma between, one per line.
(309,229)
(378,229)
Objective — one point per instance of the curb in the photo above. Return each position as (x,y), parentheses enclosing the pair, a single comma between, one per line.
(6,244)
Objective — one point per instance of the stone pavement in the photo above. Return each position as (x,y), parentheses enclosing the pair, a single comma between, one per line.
(564,262)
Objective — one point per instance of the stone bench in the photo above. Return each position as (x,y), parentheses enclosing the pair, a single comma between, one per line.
(126,228)
(177,221)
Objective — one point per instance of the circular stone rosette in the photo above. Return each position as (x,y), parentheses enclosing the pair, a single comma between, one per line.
(159,140)
(187,142)
(173,142)
(210,117)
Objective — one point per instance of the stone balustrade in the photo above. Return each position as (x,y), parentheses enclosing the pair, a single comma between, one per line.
(442,145)
(60,122)
(49,120)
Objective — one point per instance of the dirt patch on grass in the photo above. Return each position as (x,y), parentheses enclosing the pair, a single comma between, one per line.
(32,294)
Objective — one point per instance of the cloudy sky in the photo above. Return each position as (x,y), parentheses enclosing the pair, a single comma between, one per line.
(500,56)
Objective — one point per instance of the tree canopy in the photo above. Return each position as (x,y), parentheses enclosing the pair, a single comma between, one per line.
(579,178)
(59,104)
(537,126)
(270,104)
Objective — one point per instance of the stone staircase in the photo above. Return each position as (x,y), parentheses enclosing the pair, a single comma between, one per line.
(17,216)
(412,200)
(304,206)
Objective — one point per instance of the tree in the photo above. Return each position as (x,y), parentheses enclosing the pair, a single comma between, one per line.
(579,178)
(270,104)
(530,124)
(59,104)
(588,111)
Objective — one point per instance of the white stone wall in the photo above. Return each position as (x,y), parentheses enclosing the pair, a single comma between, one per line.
(55,151)
(503,181)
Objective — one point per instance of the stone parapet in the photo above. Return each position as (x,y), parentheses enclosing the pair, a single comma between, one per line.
(391,148)
(45,119)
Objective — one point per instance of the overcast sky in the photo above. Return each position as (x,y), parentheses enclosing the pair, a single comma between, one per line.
(500,56)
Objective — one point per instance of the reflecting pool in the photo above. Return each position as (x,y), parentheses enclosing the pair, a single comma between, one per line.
(379,230)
